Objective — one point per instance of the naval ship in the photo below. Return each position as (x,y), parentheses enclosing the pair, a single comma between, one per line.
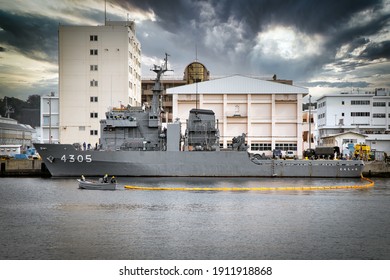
(133,142)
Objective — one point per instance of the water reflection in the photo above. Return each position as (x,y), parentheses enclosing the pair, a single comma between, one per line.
(52,219)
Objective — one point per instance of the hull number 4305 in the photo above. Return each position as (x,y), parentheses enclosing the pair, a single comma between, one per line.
(76,158)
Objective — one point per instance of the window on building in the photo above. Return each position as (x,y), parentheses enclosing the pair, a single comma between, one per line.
(260,146)
(93,83)
(93,67)
(342,103)
(360,114)
(286,146)
(93,52)
(93,132)
(93,37)
(94,115)
(346,141)
(379,115)
(322,104)
(360,102)
(342,114)
(93,99)
(379,104)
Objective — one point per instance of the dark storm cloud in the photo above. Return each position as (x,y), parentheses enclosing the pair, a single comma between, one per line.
(228,35)
(307,15)
(358,33)
(37,36)
(360,84)
(33,36)
(331,19)
(173,15)
(377,50)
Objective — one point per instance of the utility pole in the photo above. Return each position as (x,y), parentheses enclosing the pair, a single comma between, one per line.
(49,102)
(8,109)
(309,121)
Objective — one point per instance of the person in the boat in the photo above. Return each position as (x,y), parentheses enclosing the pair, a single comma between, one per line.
(82,178)
(113,180)
(105,178)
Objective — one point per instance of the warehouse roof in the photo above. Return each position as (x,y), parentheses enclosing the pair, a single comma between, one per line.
(238,84)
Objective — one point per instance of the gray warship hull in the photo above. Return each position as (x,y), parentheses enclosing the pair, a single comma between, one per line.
(64,160)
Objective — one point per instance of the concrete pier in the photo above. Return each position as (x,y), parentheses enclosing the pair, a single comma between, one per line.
(15,167)
(376,169)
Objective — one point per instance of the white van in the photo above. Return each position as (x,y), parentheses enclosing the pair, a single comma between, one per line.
(290,154)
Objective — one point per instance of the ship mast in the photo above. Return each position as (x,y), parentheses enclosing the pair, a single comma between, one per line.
(157,89)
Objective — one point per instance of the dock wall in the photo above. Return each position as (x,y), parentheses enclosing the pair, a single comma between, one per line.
(376,169)
(15,167)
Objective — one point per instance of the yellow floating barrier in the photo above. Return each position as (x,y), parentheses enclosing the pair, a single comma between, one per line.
(303,188)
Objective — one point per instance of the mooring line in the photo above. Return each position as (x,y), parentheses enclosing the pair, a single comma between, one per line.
(302,188)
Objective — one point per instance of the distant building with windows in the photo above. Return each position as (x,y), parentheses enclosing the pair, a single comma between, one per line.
(49,119)
(363,113)
(99,67)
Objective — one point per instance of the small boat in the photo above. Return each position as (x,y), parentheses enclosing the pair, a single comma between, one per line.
(97,185)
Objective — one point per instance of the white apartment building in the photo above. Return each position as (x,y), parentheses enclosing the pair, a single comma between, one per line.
(50,119)
(269,113)
(99,67)
(364,113)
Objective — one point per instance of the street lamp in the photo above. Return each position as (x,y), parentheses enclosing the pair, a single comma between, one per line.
(49,102)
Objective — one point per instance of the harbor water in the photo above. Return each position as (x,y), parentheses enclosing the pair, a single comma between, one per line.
(53,219)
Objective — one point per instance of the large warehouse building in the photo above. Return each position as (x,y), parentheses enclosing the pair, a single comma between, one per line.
(269,113)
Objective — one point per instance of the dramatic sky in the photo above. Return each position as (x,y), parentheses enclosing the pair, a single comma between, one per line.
(328,46)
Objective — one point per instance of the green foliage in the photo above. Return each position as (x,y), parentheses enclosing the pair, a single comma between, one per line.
(33,102)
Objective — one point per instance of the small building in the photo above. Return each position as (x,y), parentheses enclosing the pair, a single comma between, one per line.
(13,133)
(344,140)
(379,142)
(9,150)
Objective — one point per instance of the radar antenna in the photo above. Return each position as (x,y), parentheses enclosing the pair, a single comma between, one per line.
(157,89)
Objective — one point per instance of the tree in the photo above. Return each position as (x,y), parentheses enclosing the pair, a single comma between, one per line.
(34,101)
